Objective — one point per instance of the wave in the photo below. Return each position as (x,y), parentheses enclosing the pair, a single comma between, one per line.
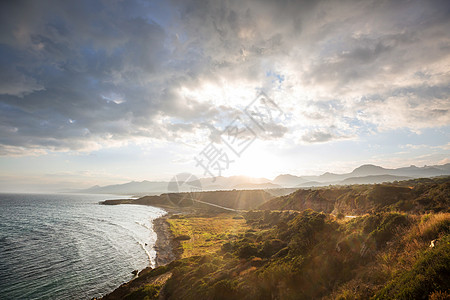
(55,246)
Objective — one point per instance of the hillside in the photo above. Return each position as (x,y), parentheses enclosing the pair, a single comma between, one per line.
(400,250)
(308,255)
(418,196)
(371,179)
(236,199)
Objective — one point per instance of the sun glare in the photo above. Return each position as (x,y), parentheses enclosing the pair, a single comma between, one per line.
(254,163)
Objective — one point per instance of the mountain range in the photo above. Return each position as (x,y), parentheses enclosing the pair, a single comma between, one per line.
(365,174)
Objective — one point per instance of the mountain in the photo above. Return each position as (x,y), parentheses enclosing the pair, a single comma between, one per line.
(313,183)
(260,186)
(426,171)
(445,167)
(366,170)
(373,170)
(329,177)
(233,182)
(288,180)
(364,174)
(370,179)
(158,187)
(130,188)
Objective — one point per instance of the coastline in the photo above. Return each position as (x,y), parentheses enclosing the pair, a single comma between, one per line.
(167,250)
(166,247)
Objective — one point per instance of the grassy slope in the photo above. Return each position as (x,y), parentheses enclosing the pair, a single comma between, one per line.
(418,195)
(206,234)
(235,199)
(312,255)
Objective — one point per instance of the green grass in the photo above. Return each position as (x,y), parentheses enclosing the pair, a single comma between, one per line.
(312,255)
(207,234)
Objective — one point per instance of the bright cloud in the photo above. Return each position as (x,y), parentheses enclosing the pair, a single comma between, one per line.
(83,76)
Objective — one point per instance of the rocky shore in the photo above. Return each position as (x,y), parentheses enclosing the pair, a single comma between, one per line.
(167,250)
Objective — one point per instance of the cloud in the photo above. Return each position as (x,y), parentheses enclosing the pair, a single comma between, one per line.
(14,83)
(84,75)
(321,136)
(317,137)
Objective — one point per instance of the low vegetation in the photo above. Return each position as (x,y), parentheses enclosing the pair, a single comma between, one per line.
(412,196)
(200,235)
(390,253)
(235,199)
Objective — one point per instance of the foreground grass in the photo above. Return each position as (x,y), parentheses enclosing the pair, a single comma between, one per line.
(384,253)
(304,255)
(201,235)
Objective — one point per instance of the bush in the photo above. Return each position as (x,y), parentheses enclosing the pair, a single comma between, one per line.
(439,295)
(303,230)
(224,289)
(247,250)
(271,247)
(205,269)
(429,274)
(148,292)
(434,226)
(387,227)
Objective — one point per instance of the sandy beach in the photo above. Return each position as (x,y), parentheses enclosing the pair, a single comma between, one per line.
(167,250)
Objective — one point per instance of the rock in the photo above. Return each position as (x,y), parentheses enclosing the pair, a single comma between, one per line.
(433,243)
(134,272)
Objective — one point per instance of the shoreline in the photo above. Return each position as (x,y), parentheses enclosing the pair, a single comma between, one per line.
(166,247)
(167,250)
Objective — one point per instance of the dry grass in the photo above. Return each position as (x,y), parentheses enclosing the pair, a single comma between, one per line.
(430,226)
(401,253)
(409,244)
(207,233)
(439,295)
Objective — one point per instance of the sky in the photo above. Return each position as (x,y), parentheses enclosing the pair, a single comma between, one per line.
(104,92)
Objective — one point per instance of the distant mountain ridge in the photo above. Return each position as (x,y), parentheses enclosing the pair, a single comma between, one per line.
(364,174)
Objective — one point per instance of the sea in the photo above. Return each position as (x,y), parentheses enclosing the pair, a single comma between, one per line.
(68,246)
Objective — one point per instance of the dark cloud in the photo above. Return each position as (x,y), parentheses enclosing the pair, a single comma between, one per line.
(84,74)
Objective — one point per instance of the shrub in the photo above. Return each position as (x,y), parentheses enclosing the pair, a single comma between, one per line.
(147,292)
(434,226)
(224,289)
(271,247)
(387,227)
(247,250)
(439,295)
(205,269)
(429,274)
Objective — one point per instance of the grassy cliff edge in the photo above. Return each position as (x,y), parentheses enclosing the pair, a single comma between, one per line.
(397,248)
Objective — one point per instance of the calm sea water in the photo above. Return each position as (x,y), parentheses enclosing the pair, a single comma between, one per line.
(67,246)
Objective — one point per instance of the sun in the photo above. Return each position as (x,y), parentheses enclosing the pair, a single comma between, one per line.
(254,162)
